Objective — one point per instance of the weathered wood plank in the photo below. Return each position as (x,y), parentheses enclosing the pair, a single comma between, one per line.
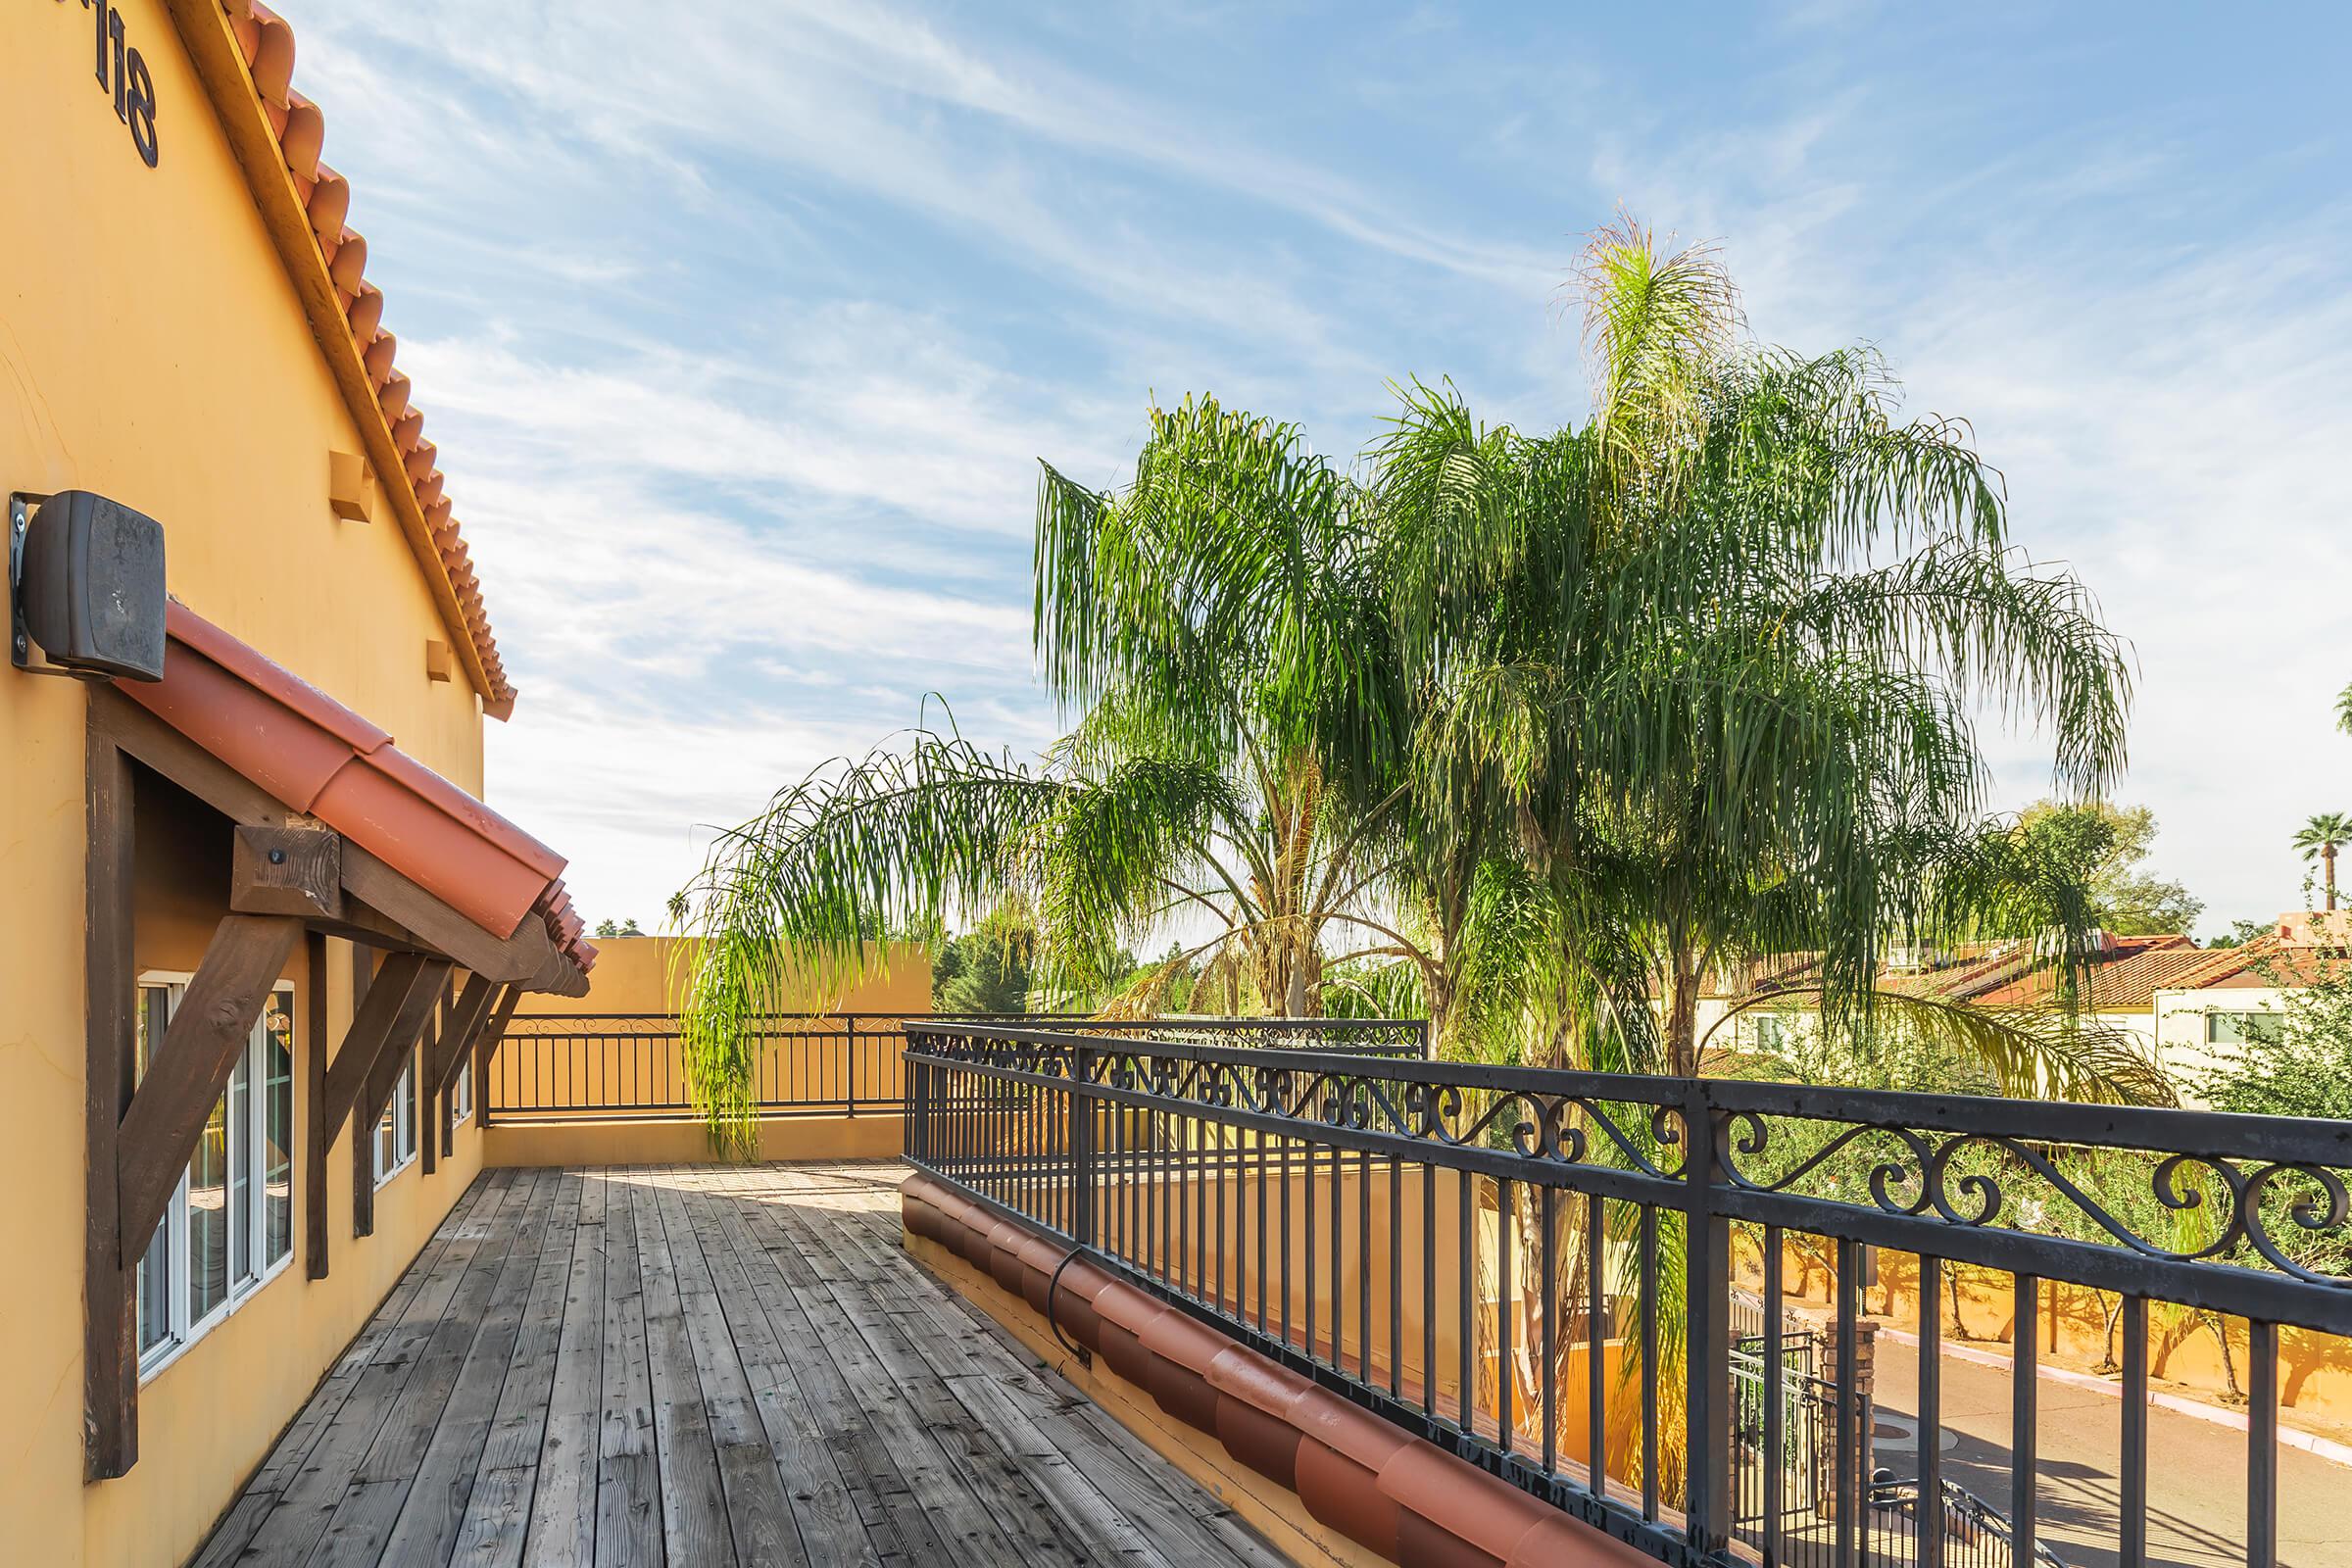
(697,1366)
(1017,1414)
(560,1528)
(693,1507)
(363,1522)
(970,1532)
(313,1492)
(807,1468)
(628,1500)
(820,1397)
(758,1514)
(1009,1389)
(227,1544)
(428,1526)
(1029,1524)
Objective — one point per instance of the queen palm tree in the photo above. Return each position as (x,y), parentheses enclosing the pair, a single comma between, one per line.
(1715,654)
(2319,839)
(1551,724)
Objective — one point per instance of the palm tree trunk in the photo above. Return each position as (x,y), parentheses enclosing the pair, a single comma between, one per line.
(2327,860)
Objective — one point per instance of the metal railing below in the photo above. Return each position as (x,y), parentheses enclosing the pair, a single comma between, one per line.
(1421,1238)
(588,1067)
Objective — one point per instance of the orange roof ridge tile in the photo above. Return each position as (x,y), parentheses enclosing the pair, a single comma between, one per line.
(265,42)
(315,756)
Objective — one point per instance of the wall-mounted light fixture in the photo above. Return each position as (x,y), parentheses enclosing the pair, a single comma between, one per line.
(85,579)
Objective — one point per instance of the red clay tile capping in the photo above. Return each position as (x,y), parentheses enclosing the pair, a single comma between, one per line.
(264,43)
(1401,1497)
(315,756)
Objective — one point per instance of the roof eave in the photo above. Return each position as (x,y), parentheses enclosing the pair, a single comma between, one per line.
(206,31)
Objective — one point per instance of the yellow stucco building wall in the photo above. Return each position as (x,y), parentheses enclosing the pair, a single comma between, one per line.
(152,348)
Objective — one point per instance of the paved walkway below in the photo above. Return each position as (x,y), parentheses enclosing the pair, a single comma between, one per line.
(2196,1470)
(703,1366)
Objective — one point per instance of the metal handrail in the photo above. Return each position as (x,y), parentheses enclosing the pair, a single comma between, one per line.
(1248,1188)
(822,1063)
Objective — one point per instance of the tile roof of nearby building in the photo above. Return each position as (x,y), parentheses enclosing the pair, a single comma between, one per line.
(315,756)
(2124,978)
(267,44)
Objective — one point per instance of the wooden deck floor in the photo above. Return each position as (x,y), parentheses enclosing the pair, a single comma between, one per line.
(701,1366)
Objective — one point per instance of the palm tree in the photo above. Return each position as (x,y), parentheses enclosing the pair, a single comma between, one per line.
(1218,632)
(2319,839)
(1714,655)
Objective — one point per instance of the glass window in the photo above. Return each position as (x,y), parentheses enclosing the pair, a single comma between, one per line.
(154,1285)
(277,1129)
(395,1128)
(208,1216)
(2244,1028)
(229,1224)
(461,1094)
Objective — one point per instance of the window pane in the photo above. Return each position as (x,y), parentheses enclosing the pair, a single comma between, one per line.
(239,1215)
(155,1288)
(277,1129)
(403,1111)
(2244,1028)
(155,1014)
(208,1215)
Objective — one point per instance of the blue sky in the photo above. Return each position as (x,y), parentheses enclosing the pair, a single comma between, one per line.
(741,326)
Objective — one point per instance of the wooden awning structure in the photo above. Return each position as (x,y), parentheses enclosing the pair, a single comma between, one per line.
(337,833)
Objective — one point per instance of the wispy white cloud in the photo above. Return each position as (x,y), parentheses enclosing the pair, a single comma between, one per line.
(741,337)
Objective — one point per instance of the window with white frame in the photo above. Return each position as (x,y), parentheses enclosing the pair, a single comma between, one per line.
(461,1094)
(2244,1028)
(395,1128)
(230,1227)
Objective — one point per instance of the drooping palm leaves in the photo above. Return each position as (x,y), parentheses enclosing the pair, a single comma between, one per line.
(1714,658)
(1537,729)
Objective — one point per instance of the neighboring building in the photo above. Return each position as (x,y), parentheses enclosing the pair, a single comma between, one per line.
(2186,1006)
(254,938)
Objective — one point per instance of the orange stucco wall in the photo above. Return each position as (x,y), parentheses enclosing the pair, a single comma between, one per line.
(152,348)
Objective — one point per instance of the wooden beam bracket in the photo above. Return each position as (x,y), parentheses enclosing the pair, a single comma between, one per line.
(287,870)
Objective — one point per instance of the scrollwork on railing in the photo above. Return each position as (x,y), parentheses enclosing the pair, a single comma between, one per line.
(2198,1208)
(1390,1099)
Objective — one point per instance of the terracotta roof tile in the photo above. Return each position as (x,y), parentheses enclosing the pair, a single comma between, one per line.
(265,42)
(315,756)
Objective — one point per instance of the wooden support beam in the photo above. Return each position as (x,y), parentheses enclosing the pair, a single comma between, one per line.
(485,1052)
(210,1029)
(458,1057)
(405,980)
(429,1120)
(319,1134)
(465,1024)
(408,1024)
(286,871)
(110,1326)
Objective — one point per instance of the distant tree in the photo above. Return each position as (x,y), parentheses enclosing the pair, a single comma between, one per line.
(2241,932)
(2319,839)
(2102,846)
(987,969)
(625,928)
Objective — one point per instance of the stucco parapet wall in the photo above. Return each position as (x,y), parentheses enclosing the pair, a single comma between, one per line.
(315,756)
(1396,1494)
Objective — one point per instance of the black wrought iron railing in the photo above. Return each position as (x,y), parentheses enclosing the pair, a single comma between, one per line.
(1536,1270)
(631,1065)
